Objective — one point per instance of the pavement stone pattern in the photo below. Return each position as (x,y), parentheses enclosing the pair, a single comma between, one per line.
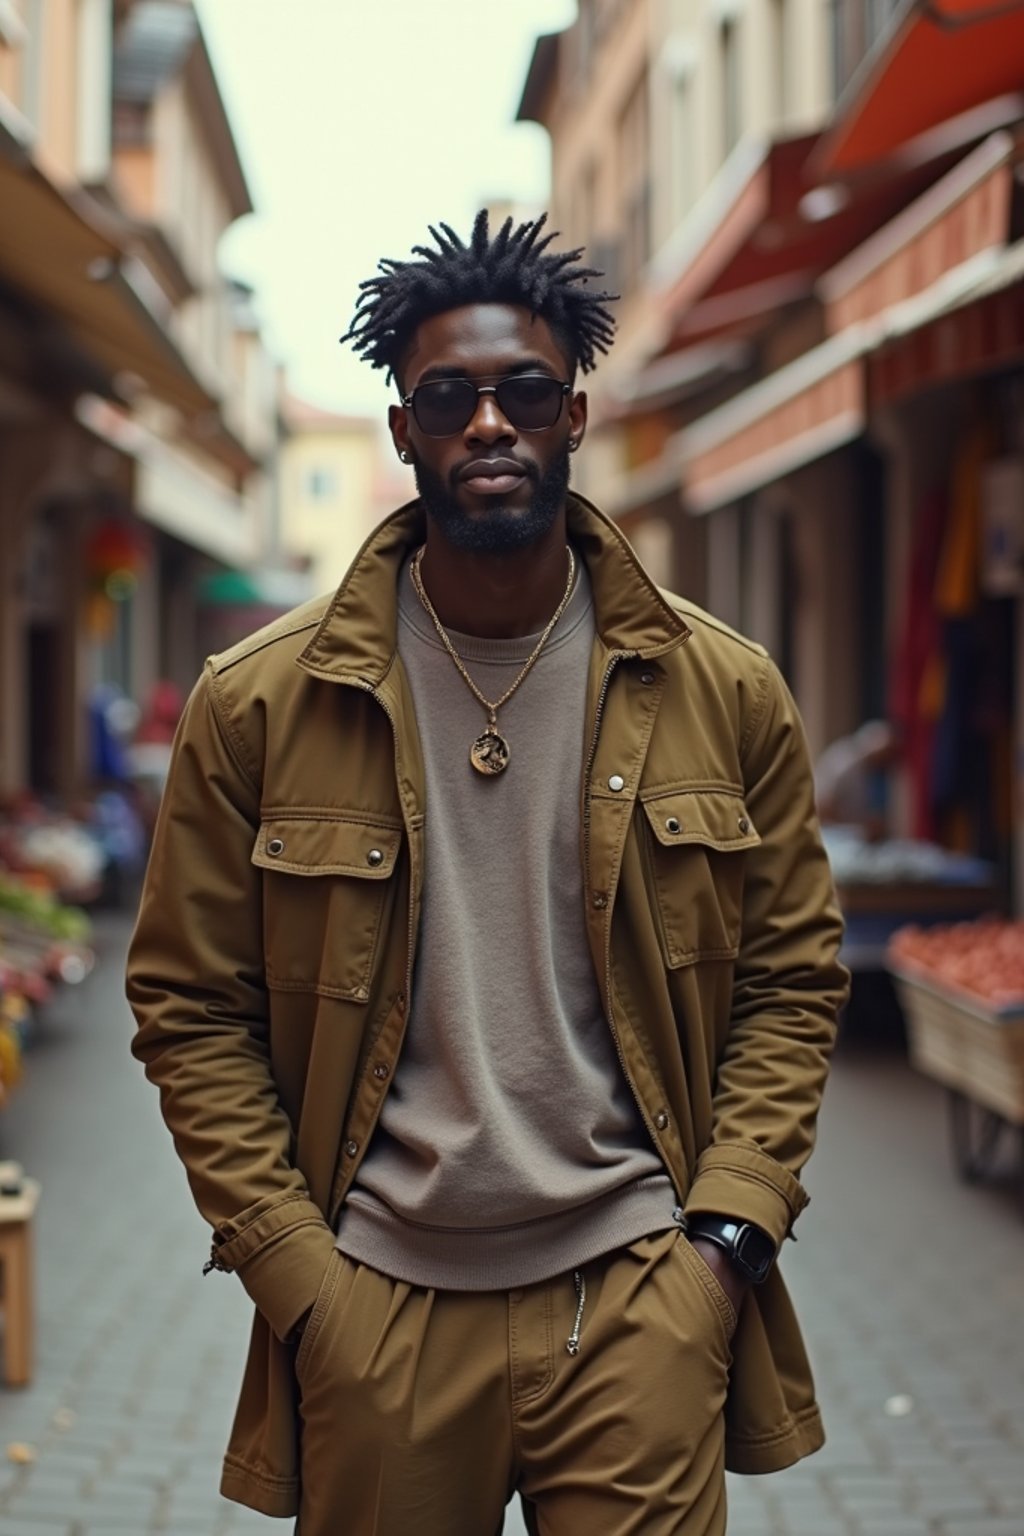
(910,1286)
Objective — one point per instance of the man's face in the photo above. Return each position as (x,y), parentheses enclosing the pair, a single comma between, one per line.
(490,486)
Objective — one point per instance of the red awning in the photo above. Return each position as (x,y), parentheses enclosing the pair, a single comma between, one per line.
(943,58)
(977,333)
(766,235)
(804,411)
(823,400)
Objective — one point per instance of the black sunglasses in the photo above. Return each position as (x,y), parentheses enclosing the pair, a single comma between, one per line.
(530,402)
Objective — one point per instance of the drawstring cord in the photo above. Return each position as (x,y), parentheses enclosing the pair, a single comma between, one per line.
(572,1343)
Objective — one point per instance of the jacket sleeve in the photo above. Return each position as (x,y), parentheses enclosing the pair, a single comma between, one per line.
(196,986)
(788,987)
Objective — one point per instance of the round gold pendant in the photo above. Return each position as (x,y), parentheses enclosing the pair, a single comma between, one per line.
(489,754)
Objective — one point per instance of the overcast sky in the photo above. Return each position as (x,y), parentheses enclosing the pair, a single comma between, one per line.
(359,123)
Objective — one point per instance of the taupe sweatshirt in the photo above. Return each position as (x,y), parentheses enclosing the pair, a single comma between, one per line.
(510,1147)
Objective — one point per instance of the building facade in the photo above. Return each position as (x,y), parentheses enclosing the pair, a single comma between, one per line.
(812,212)
(138,409)
(336,486)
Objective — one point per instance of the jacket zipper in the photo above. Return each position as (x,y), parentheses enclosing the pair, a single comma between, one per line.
(359,682)
(613,662)
(411,936)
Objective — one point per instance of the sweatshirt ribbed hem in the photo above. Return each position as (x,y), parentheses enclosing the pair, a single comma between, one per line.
(498,1258)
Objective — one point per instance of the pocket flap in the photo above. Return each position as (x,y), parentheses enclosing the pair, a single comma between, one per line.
(327,845)
(715,817)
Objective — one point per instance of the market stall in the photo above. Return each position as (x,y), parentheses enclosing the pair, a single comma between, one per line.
(961,987)
(883,886)
(48,865)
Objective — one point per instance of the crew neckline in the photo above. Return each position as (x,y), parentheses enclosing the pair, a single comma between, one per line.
(516,648)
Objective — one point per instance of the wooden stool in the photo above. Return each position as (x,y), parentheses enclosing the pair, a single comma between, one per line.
(16,1213)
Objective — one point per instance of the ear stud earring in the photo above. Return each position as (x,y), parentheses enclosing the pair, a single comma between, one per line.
(404,456)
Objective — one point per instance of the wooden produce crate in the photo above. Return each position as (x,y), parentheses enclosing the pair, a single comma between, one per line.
(976,1053)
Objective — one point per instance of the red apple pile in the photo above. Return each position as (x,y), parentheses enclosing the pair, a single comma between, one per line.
(983,959)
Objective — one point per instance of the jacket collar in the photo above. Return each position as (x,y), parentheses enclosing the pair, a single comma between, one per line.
(357,638)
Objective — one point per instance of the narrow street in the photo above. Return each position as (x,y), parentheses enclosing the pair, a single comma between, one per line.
(908,1282)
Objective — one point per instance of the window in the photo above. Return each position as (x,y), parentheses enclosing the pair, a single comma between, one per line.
(729,50)
(321,484)
(95,57)
(683,147)
(635,184)
(586,38)
(587,219)
(781,81)
(857,26)
(34,62)
(12,28)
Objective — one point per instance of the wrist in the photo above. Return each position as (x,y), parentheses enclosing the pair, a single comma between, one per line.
(718,1260)
(748,1250)
(731,1282)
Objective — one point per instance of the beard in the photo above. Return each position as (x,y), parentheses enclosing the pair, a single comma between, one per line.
(501,528)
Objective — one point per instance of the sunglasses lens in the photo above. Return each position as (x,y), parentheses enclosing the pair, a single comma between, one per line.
(531,402)
(444,406)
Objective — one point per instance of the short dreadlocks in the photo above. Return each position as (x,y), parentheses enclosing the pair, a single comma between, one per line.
(513,268)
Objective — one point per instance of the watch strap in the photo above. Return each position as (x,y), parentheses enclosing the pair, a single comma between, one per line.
(748,1247)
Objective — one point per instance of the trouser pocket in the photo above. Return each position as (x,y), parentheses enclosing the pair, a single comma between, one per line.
(725,1312)
(314,1327)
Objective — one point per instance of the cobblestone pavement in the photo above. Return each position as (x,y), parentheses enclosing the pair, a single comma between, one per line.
(910,1285)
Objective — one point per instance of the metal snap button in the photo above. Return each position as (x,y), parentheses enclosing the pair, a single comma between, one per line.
(275,846)
(661,1120)
(600,899)
(616,782)
(351,1148)
(375,858)
(673,825)
(381,1071)
(744,825)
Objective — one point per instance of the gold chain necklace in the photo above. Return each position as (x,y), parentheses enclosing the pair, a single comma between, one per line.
(490,752)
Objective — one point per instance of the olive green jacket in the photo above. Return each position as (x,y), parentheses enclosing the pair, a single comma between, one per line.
(271,965)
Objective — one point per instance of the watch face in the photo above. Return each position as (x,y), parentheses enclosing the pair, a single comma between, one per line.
(755,1250)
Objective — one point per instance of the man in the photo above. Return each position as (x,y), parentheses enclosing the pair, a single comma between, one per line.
(487,968)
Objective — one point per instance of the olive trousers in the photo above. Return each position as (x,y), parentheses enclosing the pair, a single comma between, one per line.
(598,1395)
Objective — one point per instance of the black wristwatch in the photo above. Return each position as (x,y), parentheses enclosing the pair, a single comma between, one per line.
(751,1250)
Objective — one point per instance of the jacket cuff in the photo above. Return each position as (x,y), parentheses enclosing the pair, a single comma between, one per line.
(279,1250)
(743,1182)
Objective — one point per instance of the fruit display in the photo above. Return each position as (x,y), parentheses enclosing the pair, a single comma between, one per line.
(43,943)
(13,1017)
(982,961)
(52,851)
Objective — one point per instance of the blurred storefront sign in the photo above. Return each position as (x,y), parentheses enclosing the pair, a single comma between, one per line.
(233,604)
(1002,549)
(277,590)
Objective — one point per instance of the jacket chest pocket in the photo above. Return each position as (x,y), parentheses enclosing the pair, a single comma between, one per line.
(326,887)
(696,843)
